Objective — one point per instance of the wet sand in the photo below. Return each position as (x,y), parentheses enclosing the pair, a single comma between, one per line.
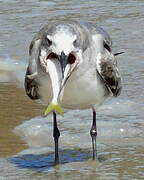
(15,108)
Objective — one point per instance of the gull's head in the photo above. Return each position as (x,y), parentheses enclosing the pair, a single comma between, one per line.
(60,46)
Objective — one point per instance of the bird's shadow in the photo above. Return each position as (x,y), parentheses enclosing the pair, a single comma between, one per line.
(44,162)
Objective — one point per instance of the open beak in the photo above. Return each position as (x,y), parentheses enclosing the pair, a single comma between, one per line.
(63,59)
(68,65)
(65,68)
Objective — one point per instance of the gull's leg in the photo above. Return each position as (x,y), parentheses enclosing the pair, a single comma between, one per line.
(56,135)
(93,133)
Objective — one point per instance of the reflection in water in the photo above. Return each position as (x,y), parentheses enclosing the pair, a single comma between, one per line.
(113,163)
(28,154)
(45,162)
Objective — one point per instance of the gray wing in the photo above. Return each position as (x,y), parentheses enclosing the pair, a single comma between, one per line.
(106,63)
(94,29)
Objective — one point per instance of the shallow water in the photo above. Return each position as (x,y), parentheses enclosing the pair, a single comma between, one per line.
(26,143)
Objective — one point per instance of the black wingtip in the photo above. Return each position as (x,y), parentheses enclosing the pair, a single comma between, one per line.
(116,54)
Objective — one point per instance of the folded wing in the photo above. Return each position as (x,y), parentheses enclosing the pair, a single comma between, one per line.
(106,63)
(31,86)
(108,71)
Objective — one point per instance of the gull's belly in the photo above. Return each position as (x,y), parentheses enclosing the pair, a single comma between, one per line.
(79,93)
(84,93)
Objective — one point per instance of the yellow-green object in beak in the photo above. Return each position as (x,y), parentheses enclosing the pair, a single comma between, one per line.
(54,107)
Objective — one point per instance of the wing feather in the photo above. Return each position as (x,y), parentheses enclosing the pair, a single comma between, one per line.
(107,69)
(31,86)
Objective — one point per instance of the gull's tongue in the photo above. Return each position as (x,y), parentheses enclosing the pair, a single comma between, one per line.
(54,69)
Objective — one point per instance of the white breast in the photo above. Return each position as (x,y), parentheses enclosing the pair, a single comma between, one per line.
(81,92)
(84,92)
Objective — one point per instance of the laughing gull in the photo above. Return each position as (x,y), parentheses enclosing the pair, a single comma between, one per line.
(71,65)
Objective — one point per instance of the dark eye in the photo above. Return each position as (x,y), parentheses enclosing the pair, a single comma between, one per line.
(71,58)
(75,43)
(107,47)
(49,42)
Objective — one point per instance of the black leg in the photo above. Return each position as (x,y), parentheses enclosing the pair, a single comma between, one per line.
(56,135)
(93,133)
